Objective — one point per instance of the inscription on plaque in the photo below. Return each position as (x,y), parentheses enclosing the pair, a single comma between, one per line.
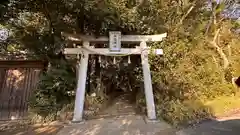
(114,41)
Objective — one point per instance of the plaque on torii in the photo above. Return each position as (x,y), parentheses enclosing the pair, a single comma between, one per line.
(115,39)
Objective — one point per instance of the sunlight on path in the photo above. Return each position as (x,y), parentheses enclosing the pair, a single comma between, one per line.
(122,125)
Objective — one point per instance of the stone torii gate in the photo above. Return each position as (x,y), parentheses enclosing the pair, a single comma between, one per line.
(115,39)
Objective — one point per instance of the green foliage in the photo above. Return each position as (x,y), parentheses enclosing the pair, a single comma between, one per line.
(178,112)
(55,90)
(191,69)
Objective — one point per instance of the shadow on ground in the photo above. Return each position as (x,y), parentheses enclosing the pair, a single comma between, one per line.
(227,124)
(213,127)
(22,128)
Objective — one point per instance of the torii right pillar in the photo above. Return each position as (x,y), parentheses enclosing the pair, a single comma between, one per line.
(151,112)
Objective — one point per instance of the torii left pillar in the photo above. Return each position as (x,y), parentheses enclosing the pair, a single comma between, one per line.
(81,86)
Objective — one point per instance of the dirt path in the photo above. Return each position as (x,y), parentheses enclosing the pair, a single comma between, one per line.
(119,118)
(121,125)
(120,105)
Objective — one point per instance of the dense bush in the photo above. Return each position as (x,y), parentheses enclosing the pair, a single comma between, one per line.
(55,90)
(192,71)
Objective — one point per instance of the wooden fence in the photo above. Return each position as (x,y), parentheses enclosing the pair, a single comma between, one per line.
(17,81)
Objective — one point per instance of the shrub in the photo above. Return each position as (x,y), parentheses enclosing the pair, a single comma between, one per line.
(54,90)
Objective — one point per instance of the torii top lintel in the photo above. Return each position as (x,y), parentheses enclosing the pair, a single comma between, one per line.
(124,38)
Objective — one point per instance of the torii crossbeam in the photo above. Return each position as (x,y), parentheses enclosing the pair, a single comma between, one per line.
(115,38)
